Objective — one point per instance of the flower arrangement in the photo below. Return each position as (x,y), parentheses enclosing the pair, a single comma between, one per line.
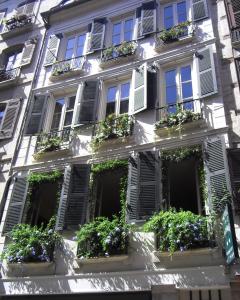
(60,68)
(125,49)
(32,244)
(179,230)
(177,119)
(50,144)
(174,33)
(101,238)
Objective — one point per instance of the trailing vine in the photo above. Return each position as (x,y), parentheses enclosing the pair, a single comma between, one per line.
(180,154)
(123,197)
(108,165)
(38,177)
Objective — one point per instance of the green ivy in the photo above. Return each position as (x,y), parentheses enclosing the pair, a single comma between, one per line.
(179,230)
(123,198)
(41,177)
(173,34)
(108,165)
(180,154)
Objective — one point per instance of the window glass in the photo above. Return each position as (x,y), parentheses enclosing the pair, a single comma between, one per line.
(2,110)
(13,60)
(128,30)
(168,17)
(57,114)
(80,44)
(111,100)
(181,12)
(124,97)
(69,111)
(186,85)
(70,48)
(116,35)
(171,89)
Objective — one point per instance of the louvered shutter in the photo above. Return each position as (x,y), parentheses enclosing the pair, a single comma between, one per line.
(233,9)
(2,15)
(216,168)
(148,22)
(28,51)
(77,196)
(97,34)
(52,50)
(9,119)
(206,72)
(200,10)
(87,99)
(139,21)
(16,204)
(132,190)
(139,98)
(37,114)
(234,166)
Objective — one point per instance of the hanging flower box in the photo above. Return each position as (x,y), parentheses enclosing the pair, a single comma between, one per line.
(118,54)
(17,24)
(181,33)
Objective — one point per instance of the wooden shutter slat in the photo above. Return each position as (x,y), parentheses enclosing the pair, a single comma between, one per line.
(9,119)
(97,34)
(200,10)
(16,204)
(139,89)
(52,50)
(132,191)
(27,54)
(37,114)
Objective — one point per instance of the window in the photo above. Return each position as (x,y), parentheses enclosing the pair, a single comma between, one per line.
(174,14)
(63,113)
(75,46)
(2,111)
(122,31)
(178,87)
(118,98)
(13,60)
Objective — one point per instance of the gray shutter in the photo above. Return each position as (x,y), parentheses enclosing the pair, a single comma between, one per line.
(77,196)
(97,34)
(200,10)
(236,12)
(2,15)
(16,204)
(148,184)
(87,102)
(52,50)
(143,186)
(132,190)
(63,199)
(148,23)
(36,119)
(216,168)
(206,72)
(139,101)
(234,165)
(9,119)
(28,51)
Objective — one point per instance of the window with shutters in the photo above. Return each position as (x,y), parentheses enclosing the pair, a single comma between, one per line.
(175,13)
(122,31)
(146,18)
(10,63)
(26,7)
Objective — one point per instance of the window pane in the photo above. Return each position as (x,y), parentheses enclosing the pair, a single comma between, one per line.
(181,12)
(80,45)
(68,118)
(171,88)
(187,90)
(117,28)
(116,40)
(168,17)
(116,36)
(57,114)
(69,54)
(70,43)
(128,29)
(124,106)
(125,90)
(170,77)
(2,109)
(111,96)
(127,36)
(71,102)
(186,73)
(70,47)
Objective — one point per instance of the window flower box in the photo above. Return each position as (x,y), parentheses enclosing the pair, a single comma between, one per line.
(118,54)
(179,34)
(17,24)
(78,263)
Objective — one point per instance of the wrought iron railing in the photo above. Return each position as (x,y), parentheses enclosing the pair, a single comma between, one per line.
(9,74)
(68,65)
(18,22)
(122,50)
(235,34)
(54,140)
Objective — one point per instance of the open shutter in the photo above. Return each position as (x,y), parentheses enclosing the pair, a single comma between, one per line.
(139,80)
(234,166)
(2,15)
(148,24)
(206,72)
(97,34)
(87,99)
(52,50)
(143,186)
(233,10)
(37,114)
(28,51)
(216,168)
(9,119)
(77,196)
(16,204)
(200,10)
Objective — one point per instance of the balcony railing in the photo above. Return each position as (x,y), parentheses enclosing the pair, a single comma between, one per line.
(235,34)
(68,65)
(53,141)
(17,22)
(6,75)
(118,52)
(179,113)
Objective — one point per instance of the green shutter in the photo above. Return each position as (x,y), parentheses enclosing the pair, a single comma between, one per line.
(139,79)
(9,119)
(16,204)
(200,10)
(87,97)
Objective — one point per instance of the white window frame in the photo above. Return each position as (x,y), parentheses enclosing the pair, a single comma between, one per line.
(175,16)
(123,21)
(75,37)
(63,112)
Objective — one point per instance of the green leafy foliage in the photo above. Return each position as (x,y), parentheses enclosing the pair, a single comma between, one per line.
(113,52)
(102,237)
(42,177)
(111,128)
(182,153)
(173,34)
(178,230)
(109,165)
(32,244)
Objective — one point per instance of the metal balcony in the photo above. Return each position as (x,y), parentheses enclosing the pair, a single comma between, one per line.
(9,77)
